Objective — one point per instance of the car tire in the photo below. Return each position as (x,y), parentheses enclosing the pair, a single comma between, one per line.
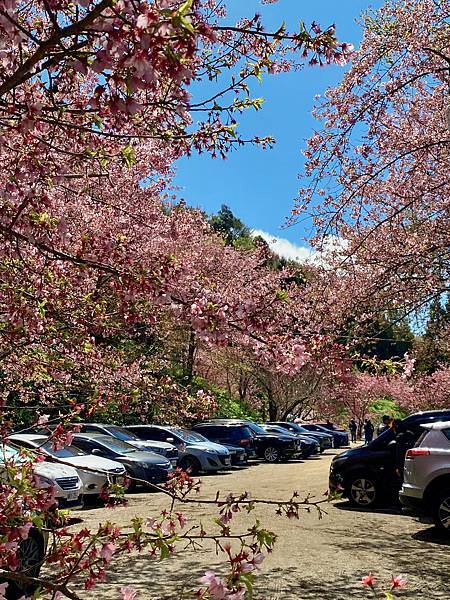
(32,554)
(272,454)
(362,490)
(440,511)
(192,463)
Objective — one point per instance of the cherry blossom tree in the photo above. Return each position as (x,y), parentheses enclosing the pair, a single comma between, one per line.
(378,166)
(94,110)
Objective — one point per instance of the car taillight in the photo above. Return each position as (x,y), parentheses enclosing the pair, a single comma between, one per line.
(245,442)
(413,452)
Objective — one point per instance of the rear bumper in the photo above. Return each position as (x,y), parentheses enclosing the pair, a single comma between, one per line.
(340,442)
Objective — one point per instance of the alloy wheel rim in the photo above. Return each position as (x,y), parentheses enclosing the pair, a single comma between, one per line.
(444,512)
(363,491)
(271,454)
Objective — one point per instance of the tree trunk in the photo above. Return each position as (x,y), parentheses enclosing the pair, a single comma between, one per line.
(190,359)
(273,408)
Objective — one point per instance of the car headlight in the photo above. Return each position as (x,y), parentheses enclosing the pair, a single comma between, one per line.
(44,481)
(143,465)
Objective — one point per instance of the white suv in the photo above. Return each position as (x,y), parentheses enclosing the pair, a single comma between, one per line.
(426,483)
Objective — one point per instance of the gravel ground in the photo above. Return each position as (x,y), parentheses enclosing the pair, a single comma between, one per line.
(314,559)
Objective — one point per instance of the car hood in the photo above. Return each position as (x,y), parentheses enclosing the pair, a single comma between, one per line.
(54,470)
(276,436)
(149,458)
(95,462)
(149,444)
(353,452)
(307,439)
(208,446)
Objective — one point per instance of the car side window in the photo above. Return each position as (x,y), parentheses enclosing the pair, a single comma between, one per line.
(83,444)
(23,444)
(159,435)
(89,429)
(213,432)
(446,432)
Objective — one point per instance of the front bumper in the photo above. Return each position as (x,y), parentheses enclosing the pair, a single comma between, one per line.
(412,503)
(71,504)
(151,474)
(215,462)
(93,486)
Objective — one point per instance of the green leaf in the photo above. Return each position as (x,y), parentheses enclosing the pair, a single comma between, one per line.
(185,8)
(128,156)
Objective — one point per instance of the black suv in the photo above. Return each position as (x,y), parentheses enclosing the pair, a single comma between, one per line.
(272,447)
(325,439)
(230,435)
(369,473)
(340,436)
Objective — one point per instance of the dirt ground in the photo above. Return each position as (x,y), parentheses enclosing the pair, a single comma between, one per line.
(314,559)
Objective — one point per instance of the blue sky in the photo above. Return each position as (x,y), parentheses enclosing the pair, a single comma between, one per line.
(258,185)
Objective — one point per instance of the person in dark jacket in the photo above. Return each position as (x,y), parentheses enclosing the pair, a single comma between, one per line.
(368,431)
(386,421)
(353,427)
(404,440)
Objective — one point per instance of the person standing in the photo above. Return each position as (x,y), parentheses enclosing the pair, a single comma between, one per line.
(368,431)
(386,421)
(353,427)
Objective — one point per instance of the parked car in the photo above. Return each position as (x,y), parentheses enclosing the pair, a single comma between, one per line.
(141,465)
(238,455)
(126,435)
(272,447)
(31,554)
(367,474)
(63,478)
(426,479)
(339,436)
(32,550)
(230,434)
(325,440)
(100,471)
(196,452)
(308,444)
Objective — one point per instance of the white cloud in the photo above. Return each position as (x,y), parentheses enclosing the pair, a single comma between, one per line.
(285,248)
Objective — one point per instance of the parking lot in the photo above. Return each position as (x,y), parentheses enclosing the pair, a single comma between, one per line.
(313,559)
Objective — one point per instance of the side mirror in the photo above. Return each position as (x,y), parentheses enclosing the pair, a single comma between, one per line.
(97,452)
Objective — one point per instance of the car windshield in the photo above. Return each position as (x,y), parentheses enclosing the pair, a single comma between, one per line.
(121,433)
(189,436)
(66,452)
(115,445)
(300,429)
(383,440)
(256,428)
(276,429)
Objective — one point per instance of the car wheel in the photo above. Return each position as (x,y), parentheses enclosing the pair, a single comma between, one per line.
(362,491)
(31,555)
(440,511)
(271,454)
(192,463)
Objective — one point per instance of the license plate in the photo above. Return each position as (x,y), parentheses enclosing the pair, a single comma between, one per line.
(73,495)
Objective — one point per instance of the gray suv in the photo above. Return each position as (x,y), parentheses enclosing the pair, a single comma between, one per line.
(196,452)
(426,484)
